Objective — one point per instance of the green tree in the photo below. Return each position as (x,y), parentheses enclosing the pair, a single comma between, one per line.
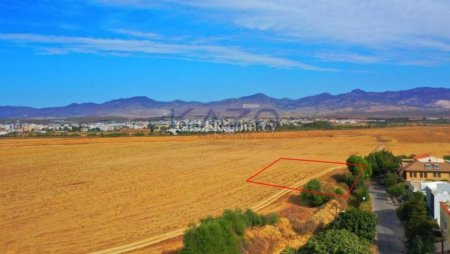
(397,190)
(358,222)
(419,229)
(391,179)
(356,164)
(310,196)
(383,161)
(336,241)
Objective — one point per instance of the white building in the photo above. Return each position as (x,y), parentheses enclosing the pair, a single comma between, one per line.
(424,158)
(435,193)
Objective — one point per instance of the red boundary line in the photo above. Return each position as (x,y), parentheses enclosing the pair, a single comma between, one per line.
(344,196)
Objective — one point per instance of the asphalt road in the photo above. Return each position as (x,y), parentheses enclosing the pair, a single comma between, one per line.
(390,231)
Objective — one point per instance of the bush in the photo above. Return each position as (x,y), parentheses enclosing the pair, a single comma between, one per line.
(361,193)
(313,199)
(391,179)
(222,234)
(402,156)
(211,236)
(114,134)
(356,164)
(289,250)
(397,190)
(336,241)
(351,179)
(383,161)
(447,157)
(361,223)
(339,191)
(272,218)
(419,228)
(255,219)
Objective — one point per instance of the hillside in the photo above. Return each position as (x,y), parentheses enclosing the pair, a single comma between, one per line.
(417,102)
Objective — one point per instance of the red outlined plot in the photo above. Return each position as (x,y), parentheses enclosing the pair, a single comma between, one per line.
(344,196)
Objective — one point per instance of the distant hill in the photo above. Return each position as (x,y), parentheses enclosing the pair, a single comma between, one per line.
(417,102)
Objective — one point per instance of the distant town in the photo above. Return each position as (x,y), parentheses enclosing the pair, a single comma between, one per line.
(195,125)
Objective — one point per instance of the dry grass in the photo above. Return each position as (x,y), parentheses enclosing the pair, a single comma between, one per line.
(81,194)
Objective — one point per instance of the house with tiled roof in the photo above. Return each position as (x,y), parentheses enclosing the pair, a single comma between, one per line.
(425,168)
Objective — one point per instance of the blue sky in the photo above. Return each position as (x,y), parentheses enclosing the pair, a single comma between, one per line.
(57,52)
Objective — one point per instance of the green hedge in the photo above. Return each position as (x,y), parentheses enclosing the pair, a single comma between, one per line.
(335,241)
(222,234)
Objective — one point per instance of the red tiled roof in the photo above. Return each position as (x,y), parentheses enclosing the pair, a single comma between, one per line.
(444,206)
(421,156)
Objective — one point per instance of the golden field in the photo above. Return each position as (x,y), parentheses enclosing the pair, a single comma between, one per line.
(78,195)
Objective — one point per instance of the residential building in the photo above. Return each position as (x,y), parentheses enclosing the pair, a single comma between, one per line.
(421,186)
(434,195)
(429,171)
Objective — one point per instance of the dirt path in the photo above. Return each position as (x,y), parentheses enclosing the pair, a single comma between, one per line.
(172,234)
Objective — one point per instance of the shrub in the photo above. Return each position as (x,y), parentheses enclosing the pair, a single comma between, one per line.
(222,234)
(336,241)
(357,164)
(397,190)
(391,179)
(289,250)
(361,193)
(383,161)
(255,219)
(338,191)
(403,156)
(419,228)
(272,218)
(447,157)
(113,134)
(211,236)
(313,199)
(351,179)
(361,223)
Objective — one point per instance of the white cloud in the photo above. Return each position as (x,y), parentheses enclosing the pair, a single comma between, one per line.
(348,57)
(371,23)
(213,53)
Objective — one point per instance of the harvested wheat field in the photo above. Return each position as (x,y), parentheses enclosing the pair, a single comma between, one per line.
(88,194)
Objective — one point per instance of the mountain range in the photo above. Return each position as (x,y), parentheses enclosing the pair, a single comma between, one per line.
(417,102)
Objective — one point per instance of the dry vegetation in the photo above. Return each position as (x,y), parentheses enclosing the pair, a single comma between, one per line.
(81,194)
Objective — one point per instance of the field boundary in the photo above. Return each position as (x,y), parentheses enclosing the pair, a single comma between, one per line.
(179,232)
(294,188)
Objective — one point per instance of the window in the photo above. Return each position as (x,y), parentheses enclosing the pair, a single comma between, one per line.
(421,174)
(425,174)
(415,174)
(410,174)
